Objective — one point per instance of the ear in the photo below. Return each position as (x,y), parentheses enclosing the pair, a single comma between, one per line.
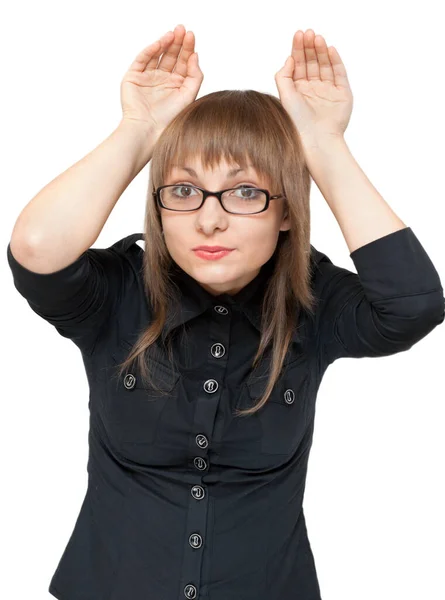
(285,223)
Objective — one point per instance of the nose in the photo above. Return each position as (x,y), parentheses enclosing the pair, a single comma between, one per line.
(211,203)
(211,215)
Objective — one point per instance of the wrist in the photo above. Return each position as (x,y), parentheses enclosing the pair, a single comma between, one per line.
(139,127)
(137,142)
(321,142)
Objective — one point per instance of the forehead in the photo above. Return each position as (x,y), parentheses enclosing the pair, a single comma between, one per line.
(227,170)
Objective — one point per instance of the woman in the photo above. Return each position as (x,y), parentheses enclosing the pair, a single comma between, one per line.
(204,364)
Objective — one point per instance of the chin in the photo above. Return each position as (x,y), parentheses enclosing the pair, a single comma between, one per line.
(217,279)
(211,272)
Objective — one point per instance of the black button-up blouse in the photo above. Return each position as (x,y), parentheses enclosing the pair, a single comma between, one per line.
(185,499)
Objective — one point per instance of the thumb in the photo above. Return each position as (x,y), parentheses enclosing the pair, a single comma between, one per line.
(284,75)
(193,69)
(194,77)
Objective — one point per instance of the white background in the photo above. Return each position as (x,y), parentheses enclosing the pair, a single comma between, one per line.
(375,489)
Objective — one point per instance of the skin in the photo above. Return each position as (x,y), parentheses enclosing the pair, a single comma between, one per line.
(253,237)
(314,89)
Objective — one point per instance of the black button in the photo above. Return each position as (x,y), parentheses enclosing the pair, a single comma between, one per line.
(190,591)
(195,540)
(218,350)
(221,310)
(129,381)
(201,440)
(198,492)
(200,463)
(289,396)
(210,386)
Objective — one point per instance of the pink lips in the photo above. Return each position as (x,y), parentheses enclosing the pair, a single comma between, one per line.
(212,248)
(213,255)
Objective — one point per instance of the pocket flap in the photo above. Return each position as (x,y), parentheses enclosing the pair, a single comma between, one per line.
(294,377)
(163,374)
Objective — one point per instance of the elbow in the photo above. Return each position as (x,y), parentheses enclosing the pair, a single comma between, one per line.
(411,318)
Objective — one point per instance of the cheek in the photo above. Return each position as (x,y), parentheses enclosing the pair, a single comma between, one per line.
(259,235)
(176,243)
(179,239)
(176,230)
(256,244)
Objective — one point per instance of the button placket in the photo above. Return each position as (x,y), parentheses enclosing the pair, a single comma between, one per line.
(198,492)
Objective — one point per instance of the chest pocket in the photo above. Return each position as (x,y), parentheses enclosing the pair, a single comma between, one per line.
(283,417)
(135,407)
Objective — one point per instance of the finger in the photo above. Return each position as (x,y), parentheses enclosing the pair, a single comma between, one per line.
(326,71)
(170,56)
(341,77)
(165,42)
(188,47)
(312,66)
(298,55)
(149,56)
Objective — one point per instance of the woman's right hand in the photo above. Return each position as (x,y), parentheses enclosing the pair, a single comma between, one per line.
(152,93)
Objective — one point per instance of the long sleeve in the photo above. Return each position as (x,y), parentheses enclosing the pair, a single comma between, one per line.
(394,300)
(80,299)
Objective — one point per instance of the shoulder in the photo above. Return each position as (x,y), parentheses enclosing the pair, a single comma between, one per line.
(322,268)
(126,249)
(318,258)
(326,275)
(123,255)
(127,244)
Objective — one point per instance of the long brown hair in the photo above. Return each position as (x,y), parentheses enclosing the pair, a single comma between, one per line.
(241,126)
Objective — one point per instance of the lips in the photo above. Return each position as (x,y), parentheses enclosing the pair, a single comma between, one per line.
(213,248)
(214,255)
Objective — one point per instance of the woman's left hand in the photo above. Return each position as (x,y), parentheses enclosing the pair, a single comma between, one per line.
(314,88)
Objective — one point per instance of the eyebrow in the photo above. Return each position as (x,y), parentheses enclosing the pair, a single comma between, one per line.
(192,172)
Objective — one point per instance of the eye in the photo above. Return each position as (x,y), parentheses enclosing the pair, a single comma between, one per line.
(175,192)
(251,191)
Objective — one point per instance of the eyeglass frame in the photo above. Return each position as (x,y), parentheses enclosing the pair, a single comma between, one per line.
(219,194)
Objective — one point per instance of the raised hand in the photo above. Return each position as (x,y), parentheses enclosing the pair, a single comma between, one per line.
(154,90)
(314,88)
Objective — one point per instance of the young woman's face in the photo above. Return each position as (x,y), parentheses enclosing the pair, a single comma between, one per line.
(252,238)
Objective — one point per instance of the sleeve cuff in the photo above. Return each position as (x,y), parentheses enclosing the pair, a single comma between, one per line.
(395,265)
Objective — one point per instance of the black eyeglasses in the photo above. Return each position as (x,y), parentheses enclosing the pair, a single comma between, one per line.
(242,200)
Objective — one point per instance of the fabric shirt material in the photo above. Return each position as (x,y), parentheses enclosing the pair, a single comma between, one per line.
(184,499)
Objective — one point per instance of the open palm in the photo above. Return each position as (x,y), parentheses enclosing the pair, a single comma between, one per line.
(154,89)
(314,88)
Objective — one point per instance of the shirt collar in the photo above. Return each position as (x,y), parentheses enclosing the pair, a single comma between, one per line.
(194,300)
